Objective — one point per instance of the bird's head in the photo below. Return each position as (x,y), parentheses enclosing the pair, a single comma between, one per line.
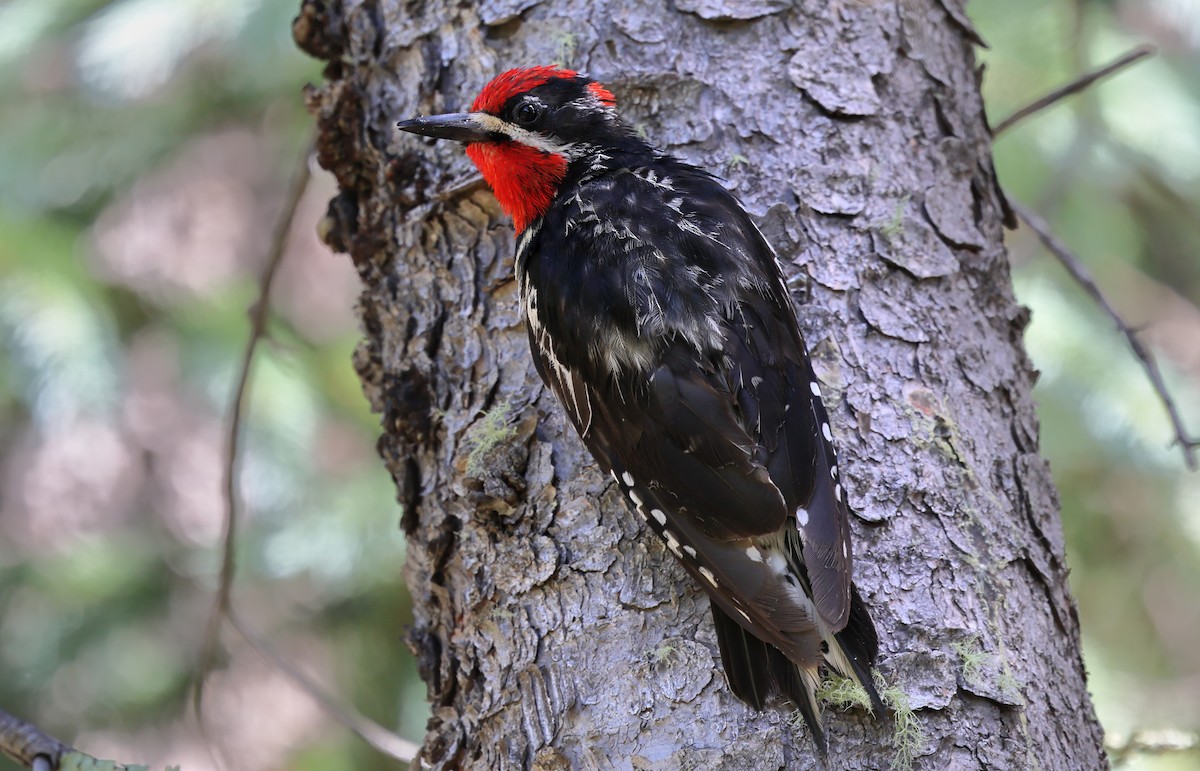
(525,129)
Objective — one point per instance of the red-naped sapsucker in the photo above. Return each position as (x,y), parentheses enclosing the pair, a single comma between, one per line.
(658,315)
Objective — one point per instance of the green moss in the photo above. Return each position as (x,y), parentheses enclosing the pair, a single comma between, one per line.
(972,656)
(567,42)
(494,428)
(895,225)
(908,737)
(843,693)
(797,722)
(1009,683)
(1006,681)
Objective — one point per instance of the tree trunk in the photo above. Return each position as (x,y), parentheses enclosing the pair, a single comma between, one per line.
(551,631)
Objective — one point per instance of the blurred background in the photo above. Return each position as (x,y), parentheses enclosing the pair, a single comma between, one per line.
(145,148)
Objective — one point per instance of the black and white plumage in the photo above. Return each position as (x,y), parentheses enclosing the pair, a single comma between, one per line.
(658,315)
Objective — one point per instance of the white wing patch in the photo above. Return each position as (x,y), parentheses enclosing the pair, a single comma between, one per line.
(575,399)
(523,248)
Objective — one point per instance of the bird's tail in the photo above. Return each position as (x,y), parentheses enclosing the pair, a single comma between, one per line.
(756,669)
(852,651)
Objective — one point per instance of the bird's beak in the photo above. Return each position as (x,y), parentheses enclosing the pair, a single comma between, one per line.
(459,126)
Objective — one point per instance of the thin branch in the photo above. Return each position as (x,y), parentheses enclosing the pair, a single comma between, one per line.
(375,735)
(1074,87)
(1084,278)
(466,185)
(258,322)
(26,744)
(1152,743)
(368,730)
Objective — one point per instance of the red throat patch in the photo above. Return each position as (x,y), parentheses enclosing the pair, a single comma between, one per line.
(524,179)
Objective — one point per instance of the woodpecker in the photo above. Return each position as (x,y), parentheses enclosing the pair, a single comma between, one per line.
(658,315)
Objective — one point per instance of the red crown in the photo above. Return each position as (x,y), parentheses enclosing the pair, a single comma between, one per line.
(508,84)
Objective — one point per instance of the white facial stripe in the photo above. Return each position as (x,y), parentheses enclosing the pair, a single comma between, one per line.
(523,244)
(489,122)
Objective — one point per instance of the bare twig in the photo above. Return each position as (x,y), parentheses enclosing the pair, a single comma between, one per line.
(466,185)
(223,609)
(369,731)
(1084,278)
(1152,743)
(26,744)
(1074,87)
(258,322)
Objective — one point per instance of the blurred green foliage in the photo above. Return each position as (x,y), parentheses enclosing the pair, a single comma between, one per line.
(144,148)
(1116,170)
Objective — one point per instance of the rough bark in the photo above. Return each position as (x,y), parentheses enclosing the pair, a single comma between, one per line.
(551,633)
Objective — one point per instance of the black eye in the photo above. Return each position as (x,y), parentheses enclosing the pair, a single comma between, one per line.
(527,113)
